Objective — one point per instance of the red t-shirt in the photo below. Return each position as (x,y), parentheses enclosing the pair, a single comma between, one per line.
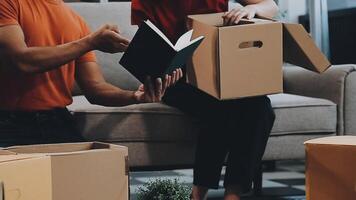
(170,15)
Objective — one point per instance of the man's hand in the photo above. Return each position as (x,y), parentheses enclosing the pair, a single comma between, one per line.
(108,39)
(151,92)
(235,15)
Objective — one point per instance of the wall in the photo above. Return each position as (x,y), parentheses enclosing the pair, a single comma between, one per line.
(340,4)
(291,9)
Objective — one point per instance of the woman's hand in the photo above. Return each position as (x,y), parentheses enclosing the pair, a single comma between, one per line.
(235,15)
(262,8)
(153,91)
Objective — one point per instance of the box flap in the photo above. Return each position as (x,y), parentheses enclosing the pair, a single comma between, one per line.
(51,148)
(6,152)
(336,140)
(102,145)
(64,149)
(300,49)
(214,19)
(58,148)
(9,158)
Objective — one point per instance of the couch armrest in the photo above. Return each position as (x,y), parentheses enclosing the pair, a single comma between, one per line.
(350,105)
(337,84)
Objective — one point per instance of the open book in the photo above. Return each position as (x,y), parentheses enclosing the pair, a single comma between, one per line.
(150,52)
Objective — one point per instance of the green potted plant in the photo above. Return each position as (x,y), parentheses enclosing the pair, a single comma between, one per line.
(164,189)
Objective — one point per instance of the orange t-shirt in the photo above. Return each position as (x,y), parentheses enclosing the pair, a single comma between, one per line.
(44,23)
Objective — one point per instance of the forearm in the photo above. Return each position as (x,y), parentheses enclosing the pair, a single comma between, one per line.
(264,8)
(42,59)
(108,95)
(18,56)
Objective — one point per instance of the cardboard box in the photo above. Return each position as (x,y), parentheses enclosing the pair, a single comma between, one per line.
(6,152)
(246,60)
(89,171)
(331,168)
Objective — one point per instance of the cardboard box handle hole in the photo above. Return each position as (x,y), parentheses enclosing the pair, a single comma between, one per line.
(251,44)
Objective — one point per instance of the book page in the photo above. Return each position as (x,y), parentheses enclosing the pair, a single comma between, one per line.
(190,43)
(184,40)
(159,32)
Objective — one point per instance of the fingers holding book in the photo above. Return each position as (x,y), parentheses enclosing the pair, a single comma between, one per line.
(150,91)
(177,74)
(153,90)
(172,79)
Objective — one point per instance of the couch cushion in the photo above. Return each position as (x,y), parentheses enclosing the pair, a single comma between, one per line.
(141,122)
(159,122)
(97,14)
(301,115)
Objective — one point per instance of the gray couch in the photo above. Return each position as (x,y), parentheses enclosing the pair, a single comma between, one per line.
(161,136)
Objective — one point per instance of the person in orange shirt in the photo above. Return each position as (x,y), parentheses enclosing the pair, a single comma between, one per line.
(44,48)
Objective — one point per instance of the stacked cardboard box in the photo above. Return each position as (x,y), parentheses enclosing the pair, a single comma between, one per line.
(331,168)
(89,171)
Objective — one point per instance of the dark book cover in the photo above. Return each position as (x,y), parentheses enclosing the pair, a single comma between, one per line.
(150,53)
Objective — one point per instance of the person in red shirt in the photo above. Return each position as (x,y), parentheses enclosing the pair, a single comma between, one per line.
(44,48)
(238,129)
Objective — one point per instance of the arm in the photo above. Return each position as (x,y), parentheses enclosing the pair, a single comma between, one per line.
(18,56)
(262,8)
(90,79)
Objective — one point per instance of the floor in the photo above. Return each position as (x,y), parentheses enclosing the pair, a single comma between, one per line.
(286,182)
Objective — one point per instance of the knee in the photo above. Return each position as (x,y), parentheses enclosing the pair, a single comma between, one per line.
(260,104)
(262,101)
(260,109)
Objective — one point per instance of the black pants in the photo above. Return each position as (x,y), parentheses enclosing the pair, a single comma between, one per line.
(238,129)
(42,127)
